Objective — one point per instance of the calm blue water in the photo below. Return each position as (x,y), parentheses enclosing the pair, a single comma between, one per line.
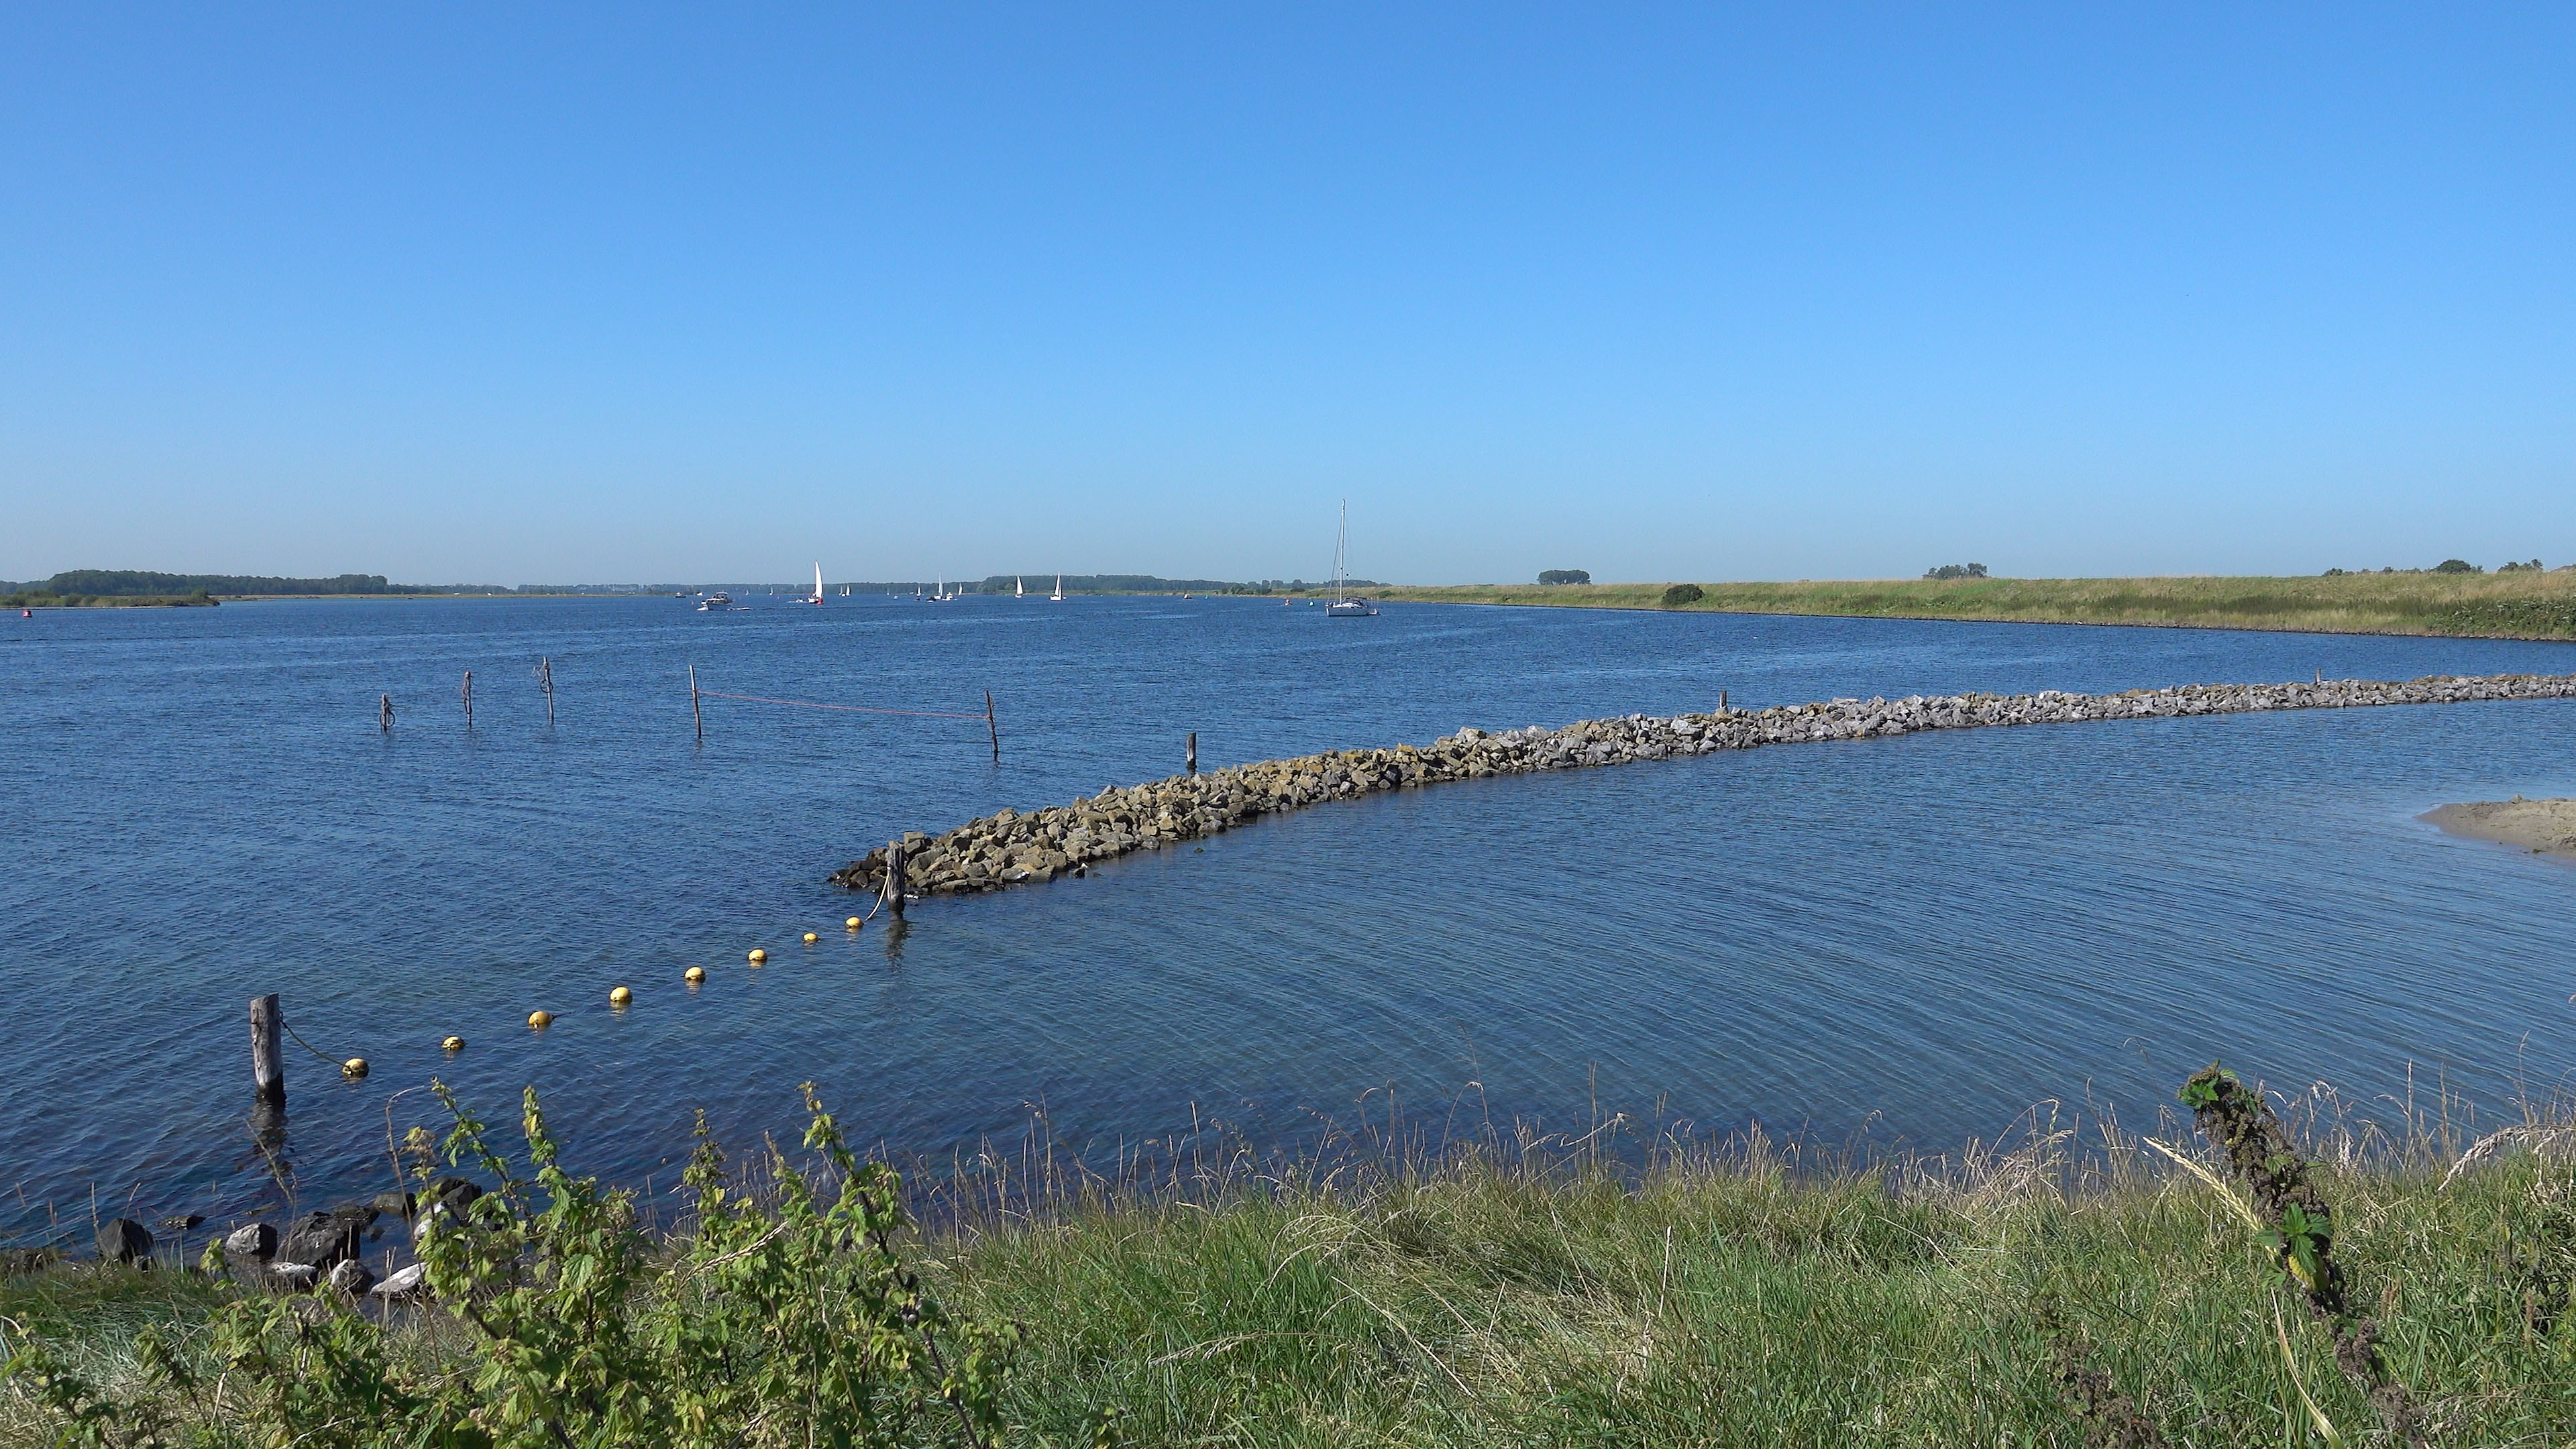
(1913,938)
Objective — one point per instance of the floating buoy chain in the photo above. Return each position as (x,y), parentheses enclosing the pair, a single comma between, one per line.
(353,1068)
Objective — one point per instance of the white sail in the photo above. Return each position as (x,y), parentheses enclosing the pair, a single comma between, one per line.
(818,581)
(1058,596)
(1019,589)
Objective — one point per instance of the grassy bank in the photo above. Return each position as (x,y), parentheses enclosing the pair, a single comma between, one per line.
(1720,1299)
(2526,605)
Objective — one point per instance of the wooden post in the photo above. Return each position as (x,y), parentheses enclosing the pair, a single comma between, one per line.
(1190,750)
(1721,701)
(694,712)
(546,682)
(385,713)
(994,728)
(894,877)
(467,694)
(267,1055)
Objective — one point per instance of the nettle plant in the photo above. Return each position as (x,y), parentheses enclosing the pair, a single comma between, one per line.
(2296,1226)
(786,1317)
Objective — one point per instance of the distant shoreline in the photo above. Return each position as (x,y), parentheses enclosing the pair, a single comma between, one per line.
(2519,605)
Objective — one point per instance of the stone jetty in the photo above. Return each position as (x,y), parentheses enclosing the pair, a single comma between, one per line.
(1014,847)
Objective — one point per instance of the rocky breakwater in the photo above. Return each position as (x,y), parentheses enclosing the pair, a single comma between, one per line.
(1012,847)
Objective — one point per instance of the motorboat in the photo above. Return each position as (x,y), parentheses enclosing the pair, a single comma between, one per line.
(713,602)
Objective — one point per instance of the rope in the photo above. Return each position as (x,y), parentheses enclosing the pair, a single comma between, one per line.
(854,708)
(308,1046)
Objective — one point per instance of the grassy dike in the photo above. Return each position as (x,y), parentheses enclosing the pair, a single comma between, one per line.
(2519,605)
(1719,1299)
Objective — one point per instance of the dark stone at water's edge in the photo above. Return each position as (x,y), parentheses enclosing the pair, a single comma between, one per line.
(325,1239)
(123,1240)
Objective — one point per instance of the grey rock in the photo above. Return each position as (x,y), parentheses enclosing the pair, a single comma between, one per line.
(404,1283)
(352,1277)
(251,1243)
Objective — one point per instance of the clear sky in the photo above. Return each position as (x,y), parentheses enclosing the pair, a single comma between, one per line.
(543,294)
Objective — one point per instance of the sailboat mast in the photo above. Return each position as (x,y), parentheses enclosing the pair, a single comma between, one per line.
(1341,553)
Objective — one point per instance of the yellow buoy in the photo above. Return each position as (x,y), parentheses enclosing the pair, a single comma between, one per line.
(758,955)
(452,1044)
(620,996)
(354,1068)
(855,922)
(694,975)
(541,1019)
(811,938)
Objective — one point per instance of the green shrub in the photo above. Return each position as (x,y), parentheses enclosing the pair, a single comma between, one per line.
(784,1317)
(1680,594)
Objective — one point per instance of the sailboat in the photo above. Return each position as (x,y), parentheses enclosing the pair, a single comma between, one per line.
(845,591)
(1058,596)
(1019,590)
(1343,605)
(817,597)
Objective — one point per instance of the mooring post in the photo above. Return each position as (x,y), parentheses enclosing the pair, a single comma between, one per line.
(385,713)
(267,1057)
(1721,701)
(894,877)
(546,682)
(994,729)
(1190,750)
(694,712)
(467,694)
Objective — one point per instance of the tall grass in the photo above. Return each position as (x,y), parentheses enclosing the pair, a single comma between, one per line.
(2514,605)
(1528,1291)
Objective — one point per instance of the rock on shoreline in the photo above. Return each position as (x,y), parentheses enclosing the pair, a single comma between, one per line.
(1012,847)
(2543,827)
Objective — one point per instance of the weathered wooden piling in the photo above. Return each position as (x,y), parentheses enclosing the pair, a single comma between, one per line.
(1190,750)
(989,725)
(385,713)
(1721,701)
(466,693)
(696,714)
(894,877)
(546,682)
(267,1052)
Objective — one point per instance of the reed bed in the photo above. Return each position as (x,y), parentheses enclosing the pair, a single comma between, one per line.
(2526,604)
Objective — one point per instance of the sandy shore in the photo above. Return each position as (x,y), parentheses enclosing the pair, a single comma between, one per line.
(2543,827)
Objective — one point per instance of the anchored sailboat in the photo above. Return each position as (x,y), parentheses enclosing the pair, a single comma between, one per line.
(1343,605)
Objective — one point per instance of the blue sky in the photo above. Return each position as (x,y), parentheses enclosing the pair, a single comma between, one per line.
(543,294)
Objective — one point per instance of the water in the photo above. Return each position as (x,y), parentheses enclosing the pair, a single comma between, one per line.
(1912,939)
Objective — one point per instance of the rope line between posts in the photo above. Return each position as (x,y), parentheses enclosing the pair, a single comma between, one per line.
(853,708)
(308,1046)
